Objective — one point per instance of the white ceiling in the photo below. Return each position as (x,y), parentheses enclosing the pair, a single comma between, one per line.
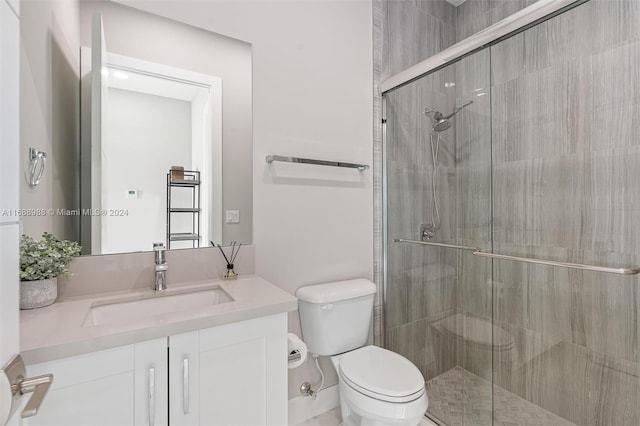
(456,3)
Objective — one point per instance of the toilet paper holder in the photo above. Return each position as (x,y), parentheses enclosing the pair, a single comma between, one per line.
(296,351)
(294,356)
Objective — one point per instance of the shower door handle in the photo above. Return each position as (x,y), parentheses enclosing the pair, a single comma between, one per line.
(477,252)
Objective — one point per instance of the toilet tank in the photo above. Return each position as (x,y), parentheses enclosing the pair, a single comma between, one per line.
(336,316)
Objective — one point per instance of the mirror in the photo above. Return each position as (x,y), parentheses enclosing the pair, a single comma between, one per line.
(151,118)
(163,94)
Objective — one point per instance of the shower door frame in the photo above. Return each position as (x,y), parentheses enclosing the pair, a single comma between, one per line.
(520,21)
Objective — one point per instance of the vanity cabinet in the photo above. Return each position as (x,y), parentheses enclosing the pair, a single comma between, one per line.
(234,374)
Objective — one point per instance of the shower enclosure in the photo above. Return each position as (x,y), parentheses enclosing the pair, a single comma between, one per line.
(542,166)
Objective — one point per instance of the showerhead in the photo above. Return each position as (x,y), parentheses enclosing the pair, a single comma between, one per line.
(440,122)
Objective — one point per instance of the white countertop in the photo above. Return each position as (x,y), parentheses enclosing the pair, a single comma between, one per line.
(57,331)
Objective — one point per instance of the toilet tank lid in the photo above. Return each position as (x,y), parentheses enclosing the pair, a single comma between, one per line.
(336,291)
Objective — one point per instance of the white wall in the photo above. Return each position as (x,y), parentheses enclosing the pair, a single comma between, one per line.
(49,111)
(312,96)
(144,136)
(9,78)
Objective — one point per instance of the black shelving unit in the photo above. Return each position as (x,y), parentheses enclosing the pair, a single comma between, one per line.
(189,179)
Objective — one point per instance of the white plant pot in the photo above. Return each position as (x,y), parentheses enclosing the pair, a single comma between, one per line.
(39,293)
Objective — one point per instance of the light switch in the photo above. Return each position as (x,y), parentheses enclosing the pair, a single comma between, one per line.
(233,216)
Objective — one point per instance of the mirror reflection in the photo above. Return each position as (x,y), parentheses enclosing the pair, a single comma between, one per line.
(155,95)
(152,119)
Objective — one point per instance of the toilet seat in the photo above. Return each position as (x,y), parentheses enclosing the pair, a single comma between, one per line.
(381,374)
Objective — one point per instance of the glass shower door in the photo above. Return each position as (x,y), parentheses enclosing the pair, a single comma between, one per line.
(566,186)
(438,301)
(543,165)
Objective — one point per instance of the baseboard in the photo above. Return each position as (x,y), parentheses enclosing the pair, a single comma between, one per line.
(303,408)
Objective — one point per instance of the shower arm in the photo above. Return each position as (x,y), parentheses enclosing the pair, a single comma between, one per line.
(437,115)
(457,110)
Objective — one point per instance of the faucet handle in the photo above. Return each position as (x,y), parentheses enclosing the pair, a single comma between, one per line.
(158,246)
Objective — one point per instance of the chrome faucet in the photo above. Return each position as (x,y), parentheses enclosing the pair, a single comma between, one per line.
(160,282)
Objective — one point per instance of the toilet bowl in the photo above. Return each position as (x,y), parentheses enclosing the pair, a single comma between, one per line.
(379,387)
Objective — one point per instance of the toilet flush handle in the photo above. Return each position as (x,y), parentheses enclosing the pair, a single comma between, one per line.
(327,307)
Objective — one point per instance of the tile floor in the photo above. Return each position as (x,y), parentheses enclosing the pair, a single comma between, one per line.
(333,418)
(459,392)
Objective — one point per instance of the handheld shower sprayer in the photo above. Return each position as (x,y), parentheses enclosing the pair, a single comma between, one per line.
(439,123)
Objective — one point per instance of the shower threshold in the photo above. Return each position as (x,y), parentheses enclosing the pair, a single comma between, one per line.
(459,397)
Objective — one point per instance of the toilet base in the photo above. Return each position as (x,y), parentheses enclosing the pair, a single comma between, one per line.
(361,410)
(358,409)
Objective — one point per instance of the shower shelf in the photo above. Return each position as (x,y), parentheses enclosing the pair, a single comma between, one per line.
(477,252)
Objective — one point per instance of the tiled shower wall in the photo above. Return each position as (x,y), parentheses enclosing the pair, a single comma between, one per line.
(475,15)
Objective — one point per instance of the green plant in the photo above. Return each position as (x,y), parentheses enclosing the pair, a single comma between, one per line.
(47,258)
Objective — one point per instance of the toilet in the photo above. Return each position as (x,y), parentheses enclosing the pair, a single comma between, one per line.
(377,386)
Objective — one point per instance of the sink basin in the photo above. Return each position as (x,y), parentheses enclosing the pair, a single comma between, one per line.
(127,309)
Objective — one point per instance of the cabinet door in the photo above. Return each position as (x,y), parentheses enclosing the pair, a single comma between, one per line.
(90,389)
(151,383)
(184,393)
(234,374)
(243,373)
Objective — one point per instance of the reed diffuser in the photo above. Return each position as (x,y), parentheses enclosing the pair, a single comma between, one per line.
(230,274)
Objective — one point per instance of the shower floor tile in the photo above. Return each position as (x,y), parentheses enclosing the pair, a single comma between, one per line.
(459,392)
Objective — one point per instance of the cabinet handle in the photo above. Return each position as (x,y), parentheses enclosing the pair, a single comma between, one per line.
(185,386)
(152,397)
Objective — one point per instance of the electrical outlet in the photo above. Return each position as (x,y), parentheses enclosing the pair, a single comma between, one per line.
(233,216)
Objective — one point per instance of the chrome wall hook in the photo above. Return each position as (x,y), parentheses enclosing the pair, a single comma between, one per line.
(37,163)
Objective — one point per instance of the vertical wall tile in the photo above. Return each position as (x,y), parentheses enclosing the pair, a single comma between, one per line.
(378,200)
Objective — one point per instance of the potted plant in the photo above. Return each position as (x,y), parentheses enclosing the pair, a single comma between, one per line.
(41,263)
